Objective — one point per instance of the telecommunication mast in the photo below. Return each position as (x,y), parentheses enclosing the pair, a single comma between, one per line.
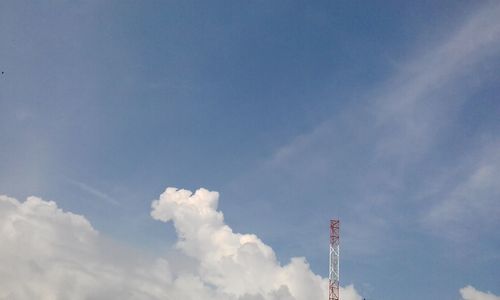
(334,260)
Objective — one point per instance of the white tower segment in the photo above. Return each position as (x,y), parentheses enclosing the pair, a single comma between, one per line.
(334,274)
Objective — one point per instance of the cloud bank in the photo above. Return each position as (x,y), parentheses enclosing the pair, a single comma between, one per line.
(47,253)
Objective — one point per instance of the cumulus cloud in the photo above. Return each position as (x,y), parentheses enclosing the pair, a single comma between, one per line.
(237,264)
(47,253)
(470,293)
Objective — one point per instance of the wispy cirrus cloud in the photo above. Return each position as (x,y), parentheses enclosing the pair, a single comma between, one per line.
(405,113)
(92,191)
(384,148)
(472,199)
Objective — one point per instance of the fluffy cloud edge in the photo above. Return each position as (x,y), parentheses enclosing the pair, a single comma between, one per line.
(48,253)
(470,293)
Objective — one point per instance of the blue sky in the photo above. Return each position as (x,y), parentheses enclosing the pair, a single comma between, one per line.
(384,114)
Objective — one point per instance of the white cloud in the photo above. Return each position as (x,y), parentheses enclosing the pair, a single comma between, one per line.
(47,253)
(238,264)
(470,293)
(50,254)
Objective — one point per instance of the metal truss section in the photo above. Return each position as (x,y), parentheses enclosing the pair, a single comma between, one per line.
(334,274)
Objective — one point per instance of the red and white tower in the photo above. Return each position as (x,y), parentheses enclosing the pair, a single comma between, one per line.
(334,260)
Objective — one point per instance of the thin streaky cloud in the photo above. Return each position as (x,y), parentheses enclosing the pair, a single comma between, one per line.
(93,191)
(403,101)
(399,122)
(476,197)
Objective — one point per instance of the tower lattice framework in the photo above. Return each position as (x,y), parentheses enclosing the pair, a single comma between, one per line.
(334,260)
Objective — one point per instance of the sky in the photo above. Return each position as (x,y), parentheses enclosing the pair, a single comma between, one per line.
(187,149)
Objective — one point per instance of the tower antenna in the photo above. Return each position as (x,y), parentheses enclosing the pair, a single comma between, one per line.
(334,260)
